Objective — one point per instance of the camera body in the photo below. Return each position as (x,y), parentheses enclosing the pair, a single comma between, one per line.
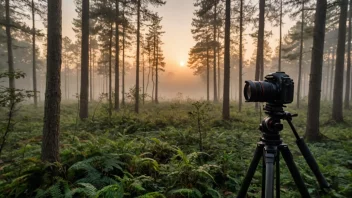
(277,88)
(284,85)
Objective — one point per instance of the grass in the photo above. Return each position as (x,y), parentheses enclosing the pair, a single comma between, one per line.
(156,153)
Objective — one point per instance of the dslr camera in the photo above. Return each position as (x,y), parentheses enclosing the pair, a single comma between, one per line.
(277,88)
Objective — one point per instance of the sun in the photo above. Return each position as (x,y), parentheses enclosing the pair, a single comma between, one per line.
(182,63)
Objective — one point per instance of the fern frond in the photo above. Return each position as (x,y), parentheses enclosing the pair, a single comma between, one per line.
(111,191)
(213,193)
(85,189)
(190,193)
(152,195)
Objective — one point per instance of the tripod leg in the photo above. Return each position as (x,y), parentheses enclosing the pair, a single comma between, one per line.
(309,158)
(253,166)
(278,175)
(269,157)
(263,178)
(287,155)
(312,163)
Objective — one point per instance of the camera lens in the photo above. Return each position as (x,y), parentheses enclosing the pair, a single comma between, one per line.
(259,91)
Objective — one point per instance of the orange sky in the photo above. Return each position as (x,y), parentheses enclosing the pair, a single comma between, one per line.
(177,17)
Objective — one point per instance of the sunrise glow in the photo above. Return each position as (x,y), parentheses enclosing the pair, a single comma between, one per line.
(182,63)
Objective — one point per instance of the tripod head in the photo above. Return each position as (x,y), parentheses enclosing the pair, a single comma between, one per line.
(271,125)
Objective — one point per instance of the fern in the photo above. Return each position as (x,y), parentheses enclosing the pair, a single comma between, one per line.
(111,191)
(58,190)
(85,189)
(95,170)
(152,195)
(212,193)
(186,192)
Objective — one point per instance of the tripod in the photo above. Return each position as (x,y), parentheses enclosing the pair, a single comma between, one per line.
(270,146)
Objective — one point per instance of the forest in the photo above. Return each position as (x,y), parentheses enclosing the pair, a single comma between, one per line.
(175,98)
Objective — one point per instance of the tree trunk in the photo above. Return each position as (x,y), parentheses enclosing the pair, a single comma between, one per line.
(123,55)
(300,59)
(327,74)
(9,48)
(337,112)
(219,74)
(280,42)
(77,80)
(214,54)
(117,57)
(34,57)
(66,79)
(153,82)
(83,110)
(226,99)
(143,78)
(154,64)
(312,128)
(260,45)
(51,127)
(90,72)
(156,71)
(332,73)
(92,81)
(149,66)
(137,56)
(348,75)
(240,60)
(208,70)
(260,48)
(110,71)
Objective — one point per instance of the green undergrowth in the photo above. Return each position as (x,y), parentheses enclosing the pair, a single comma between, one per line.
(157,153)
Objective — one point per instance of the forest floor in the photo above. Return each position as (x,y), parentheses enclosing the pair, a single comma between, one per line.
(158,153)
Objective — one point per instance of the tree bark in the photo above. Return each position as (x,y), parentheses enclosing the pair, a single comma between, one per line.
(156,71)
(219,74)
(312,128)
(337,110)
(66,78)
(280,42)
(149,65)
(348,72)
(34,57)
(226,99)
(51,127)
(83,110)
(300,59)
(90,71)
(123,55)
(136,109)
(9,48)
(110,71)
(92,81)
(327,74)
(332,73)
(143,76)
(260,48)
(154,63)
(208,70)
(240,59)
(117,57)
(214,54)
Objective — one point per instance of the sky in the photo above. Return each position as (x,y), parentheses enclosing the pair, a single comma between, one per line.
(177,18)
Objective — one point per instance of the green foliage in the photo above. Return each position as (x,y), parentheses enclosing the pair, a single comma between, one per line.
(152,195)
(200,116)
(155,154)
(185,192)
(111,191)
